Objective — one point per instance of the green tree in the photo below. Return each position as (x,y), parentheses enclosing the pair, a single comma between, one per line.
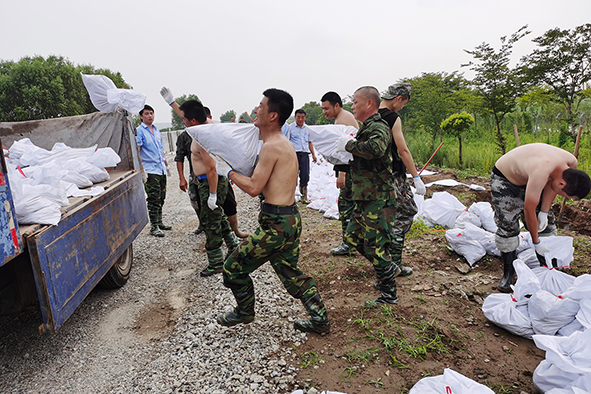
(227,116)
(456,125)
(562,61)
(314,114)
(496,82)
(177,122)
(38,88)
(434,97)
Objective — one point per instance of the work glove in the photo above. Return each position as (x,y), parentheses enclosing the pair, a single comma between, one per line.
(341,142)
(211,201)
(542,220)
(167,95)
(541,249)
(221,166)
(419,186)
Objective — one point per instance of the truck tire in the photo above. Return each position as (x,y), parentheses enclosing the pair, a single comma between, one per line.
(117,276)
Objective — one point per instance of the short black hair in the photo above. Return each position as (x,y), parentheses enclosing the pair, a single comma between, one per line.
(333,98)
(300,111)
(578,183)
(193,109)
(207,111)
(280,102)
(146,107)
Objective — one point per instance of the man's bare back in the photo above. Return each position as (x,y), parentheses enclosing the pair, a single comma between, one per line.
(346,118)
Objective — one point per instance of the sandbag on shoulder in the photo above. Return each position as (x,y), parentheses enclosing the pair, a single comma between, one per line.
(325,137)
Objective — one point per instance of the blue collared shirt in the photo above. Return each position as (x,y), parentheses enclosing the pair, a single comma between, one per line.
(151,150)
(285,129)
(300,137)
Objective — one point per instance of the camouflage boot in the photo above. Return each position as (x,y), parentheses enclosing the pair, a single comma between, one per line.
(396,248)
(342,250)
(231,241)
(162,226)
(386,277)
(318,321)
(154,230)
(304,193)
(216,262)
(244,310)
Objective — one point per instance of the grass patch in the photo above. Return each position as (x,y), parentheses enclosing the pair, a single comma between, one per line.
(310,359)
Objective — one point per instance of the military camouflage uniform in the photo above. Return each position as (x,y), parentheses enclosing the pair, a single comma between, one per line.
(508,201)
(345,202)
(277,240)
(374,194)
(156,190)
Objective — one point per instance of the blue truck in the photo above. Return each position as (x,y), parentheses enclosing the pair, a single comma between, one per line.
(56,267)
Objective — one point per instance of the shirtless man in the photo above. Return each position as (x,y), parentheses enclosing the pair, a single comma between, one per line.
(524,183)
(212,188)
(277,238)
(332,108)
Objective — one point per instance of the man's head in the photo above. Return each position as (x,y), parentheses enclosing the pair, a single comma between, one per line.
(207,112)
(397,96)
(193,113)
(232,119)
(574,184)
(331,104)
(147,115)
(300,117)
(366,101)
(275,107)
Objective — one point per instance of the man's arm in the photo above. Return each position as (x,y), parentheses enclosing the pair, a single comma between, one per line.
(182,181)
(311,147)
(536,184)
(255,184)
(403,150)
(375,147)
(210,171)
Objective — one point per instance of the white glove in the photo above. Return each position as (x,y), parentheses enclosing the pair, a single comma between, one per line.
(211,201)
(167,95)
(419,185)
(542,220)
(341,142)
(541,249)
(221,166)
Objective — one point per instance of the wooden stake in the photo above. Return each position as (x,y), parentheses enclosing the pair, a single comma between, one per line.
(576,154)
(516,134)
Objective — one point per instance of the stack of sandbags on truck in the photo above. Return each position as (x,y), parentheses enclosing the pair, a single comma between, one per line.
(42,180)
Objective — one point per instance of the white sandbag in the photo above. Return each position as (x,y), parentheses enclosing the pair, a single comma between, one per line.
(450,382)
(561,251)
(331,213)
(53,193)
(325,137)
(528,256)
(552,280)
(128,99)
(49,173)
(419,200)
(93,173)
(98,86)
(486,214)
(24,147)
(74,191)
(485,238)
(549,313)
(471,249)
(237,143)
(584,314)
(581,288)
(548,377)
(104,158)
(443,210)
(37,209)
(467,217)
(571,328)
(78,179)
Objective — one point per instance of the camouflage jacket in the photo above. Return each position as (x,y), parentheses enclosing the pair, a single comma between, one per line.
(371,168)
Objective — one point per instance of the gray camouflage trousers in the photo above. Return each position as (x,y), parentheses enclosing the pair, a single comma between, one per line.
(406,209)
(508,203)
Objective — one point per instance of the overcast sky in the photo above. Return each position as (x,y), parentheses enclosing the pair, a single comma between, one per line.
(229,52)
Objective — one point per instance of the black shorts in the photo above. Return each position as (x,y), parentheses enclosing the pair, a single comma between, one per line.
(229,205)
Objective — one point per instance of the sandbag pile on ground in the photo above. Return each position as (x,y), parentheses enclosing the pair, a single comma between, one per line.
(41,181)
(322,189)
(450,382)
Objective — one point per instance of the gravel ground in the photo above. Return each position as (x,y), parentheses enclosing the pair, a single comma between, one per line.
(158,333)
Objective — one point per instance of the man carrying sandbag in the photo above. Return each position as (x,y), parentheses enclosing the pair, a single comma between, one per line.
(373,191)
(277,239)
(523,185)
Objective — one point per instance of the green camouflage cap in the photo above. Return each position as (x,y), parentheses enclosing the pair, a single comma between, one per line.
(396,90)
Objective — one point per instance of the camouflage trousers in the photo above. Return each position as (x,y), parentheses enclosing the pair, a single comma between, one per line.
(508,201)
(277,240)
(194,194)
(214,223)
(406,209)
(369,230)
(155,188)
(346,205)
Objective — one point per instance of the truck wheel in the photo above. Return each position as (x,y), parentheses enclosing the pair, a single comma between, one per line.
(117,276)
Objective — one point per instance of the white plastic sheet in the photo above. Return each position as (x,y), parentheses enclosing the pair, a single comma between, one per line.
(450,382)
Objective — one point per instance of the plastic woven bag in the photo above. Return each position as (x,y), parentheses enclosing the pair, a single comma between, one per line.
(486,214)
(549,313)
(554,281)
(443,210)
(325,137)
(98,86)
(451,382)
(471,249)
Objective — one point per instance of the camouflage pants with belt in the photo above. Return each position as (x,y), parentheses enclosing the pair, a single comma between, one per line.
(369,230)
(215,223)
(155,188)
(508,202)
(277,240)
(346,205)
(194,194)
(406,209)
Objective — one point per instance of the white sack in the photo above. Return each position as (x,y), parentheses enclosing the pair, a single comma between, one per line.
(486,214)
(581,288)
(571,328)
(548,377)
(37,209)
(552,280)
(549,313)
(561,249)
(325,137)
(528,256)
(467,217)
(98,86)
(237,143)
(77,179)
(450,382)
(128,99)
(584,315)
(443,210)
(104,157)
(471,249)
(92,172)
